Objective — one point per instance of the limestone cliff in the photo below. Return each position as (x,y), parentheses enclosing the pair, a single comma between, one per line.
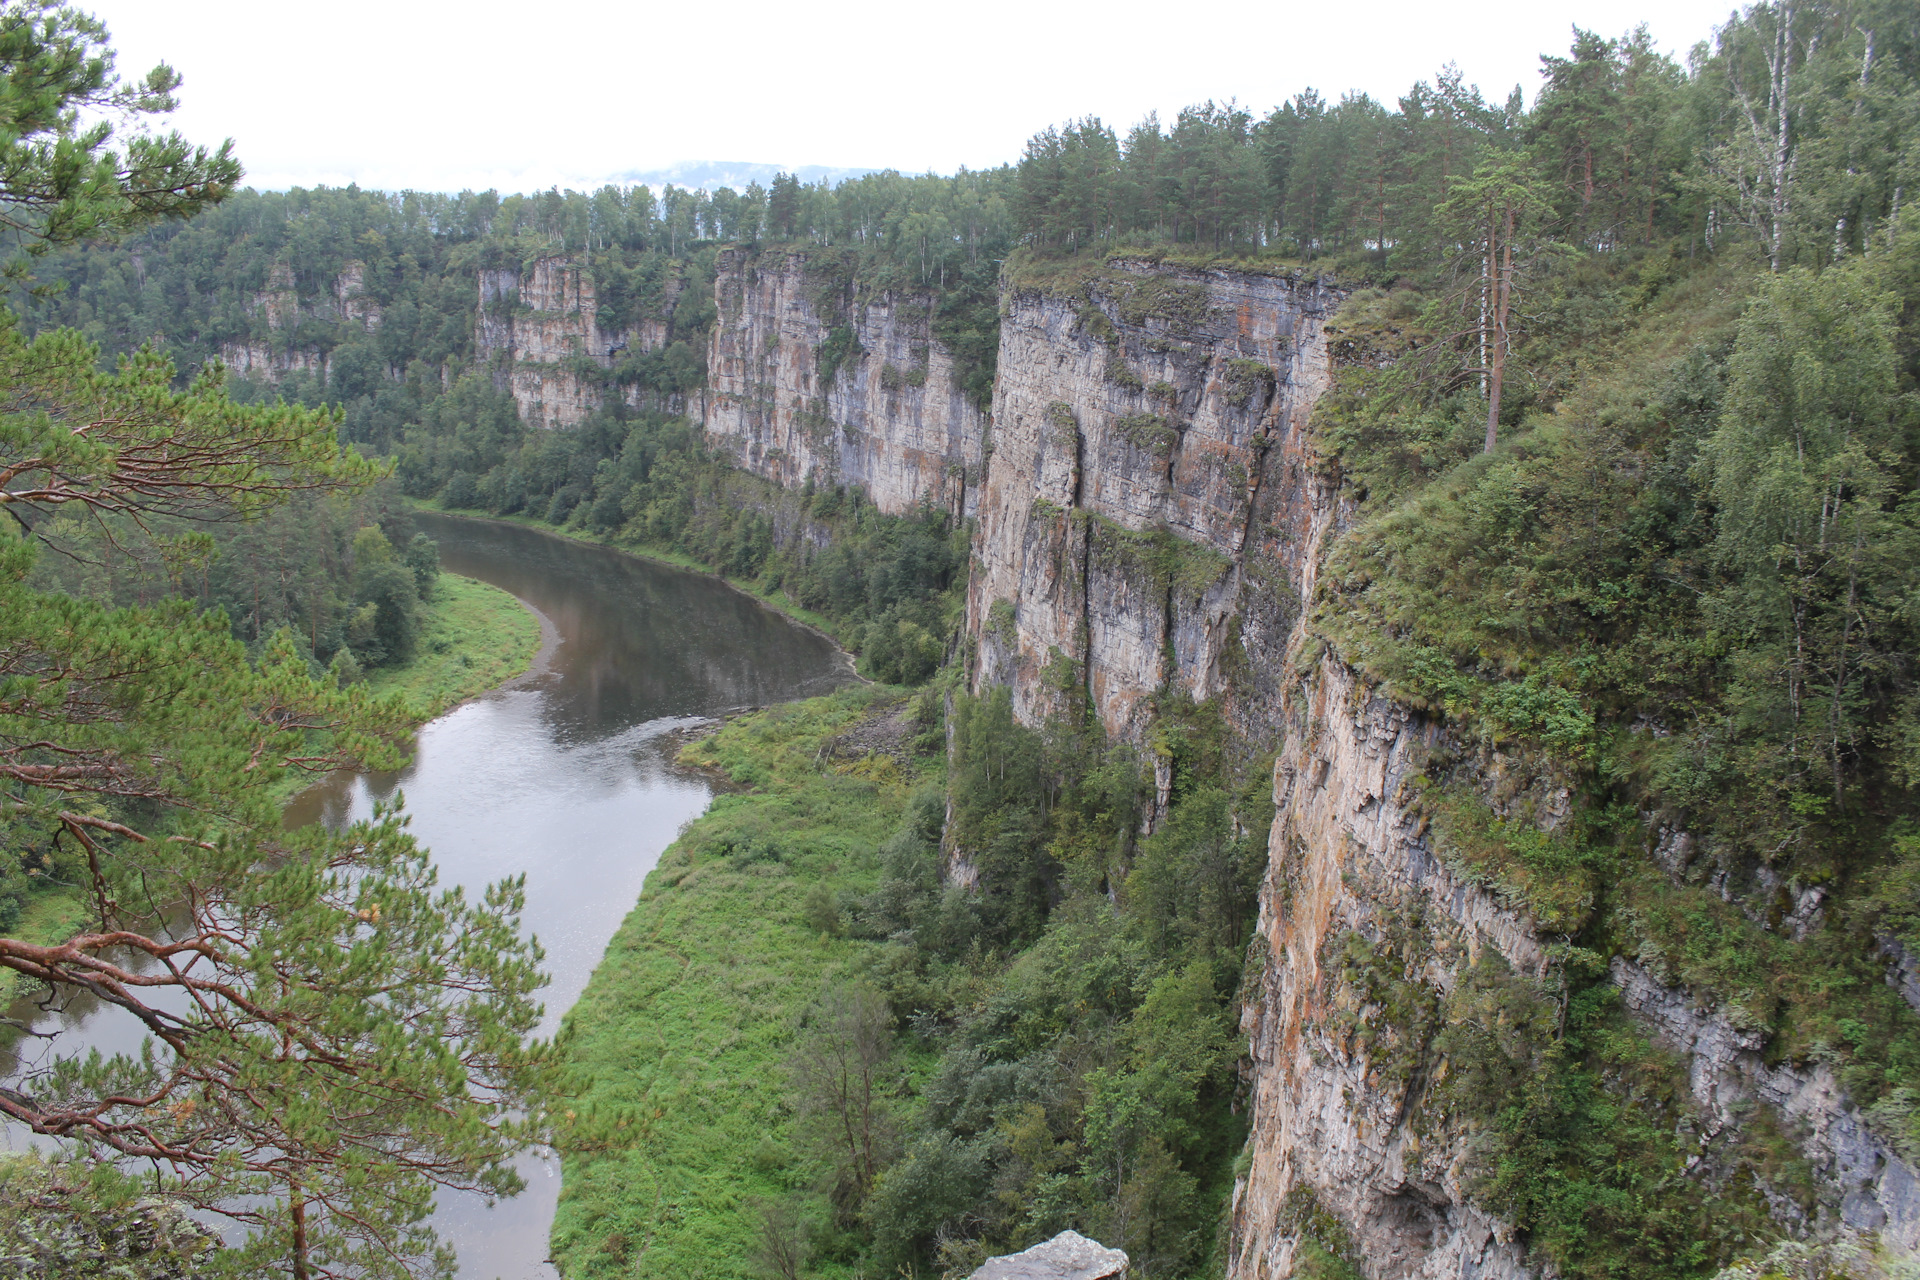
(810,377)
(1146,484)
(1151,519)
(1336,1128)
(1331,1127)
(289,328)
(541,330)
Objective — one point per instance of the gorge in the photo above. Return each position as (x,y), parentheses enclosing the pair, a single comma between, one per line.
(1389,724)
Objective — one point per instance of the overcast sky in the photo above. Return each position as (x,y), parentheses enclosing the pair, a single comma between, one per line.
(522,96)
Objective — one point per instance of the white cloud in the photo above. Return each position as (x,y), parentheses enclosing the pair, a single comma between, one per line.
(572,92)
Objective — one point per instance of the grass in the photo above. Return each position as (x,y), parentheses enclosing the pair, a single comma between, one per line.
(51,914)
(684,1029)
(476,637)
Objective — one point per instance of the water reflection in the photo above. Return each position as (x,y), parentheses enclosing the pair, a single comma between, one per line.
(566,777)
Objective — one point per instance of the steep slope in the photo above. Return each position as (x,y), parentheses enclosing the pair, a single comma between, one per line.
(298,329)
(541,329)
(1153,520)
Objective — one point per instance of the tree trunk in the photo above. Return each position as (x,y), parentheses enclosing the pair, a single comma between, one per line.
(1502,298)
(299,1210)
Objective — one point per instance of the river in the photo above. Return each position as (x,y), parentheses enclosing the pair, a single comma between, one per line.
(566,775)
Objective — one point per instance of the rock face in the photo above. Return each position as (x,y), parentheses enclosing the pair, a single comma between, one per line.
(280,310)
(1328,1126)
(1146,495)
(1331,1129)
(1068,1256)
(1152,517)
(541,327)
(886,414)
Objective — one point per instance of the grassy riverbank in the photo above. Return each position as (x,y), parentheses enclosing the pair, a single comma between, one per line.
(476,636)
(686,1025)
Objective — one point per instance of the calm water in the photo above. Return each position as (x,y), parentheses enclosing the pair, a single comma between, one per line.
(566,775)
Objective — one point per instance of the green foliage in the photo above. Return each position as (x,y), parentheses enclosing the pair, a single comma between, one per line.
(64,108)
(839,346)
(1149,433)
(473,637)
(1120,373)
(1816,535)
(1083,1052)
(689,1020)
(1158,556)
(1553,875)
(1322,1249)
(1623,149)
(1249,382)
(1588,1129)
(167,776)
(61,1221)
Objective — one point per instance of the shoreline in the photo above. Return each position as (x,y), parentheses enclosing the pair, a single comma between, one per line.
(803,618)
(430,704)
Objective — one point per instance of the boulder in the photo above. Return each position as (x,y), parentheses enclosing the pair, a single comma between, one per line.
(1068,1256)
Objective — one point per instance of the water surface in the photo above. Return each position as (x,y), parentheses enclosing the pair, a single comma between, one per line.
(565,775)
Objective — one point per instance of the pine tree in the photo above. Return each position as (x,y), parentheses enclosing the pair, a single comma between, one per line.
(331,1036)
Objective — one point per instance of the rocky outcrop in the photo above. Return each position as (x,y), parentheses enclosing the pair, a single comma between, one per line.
(1068,1256)
(1147,497)
(1872,1187)
(810,378)
(1335,1130)
(541,330)
(1151,519)
(280,311)
(54,1226)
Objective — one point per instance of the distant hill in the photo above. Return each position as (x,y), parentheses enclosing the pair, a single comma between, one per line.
(711,175)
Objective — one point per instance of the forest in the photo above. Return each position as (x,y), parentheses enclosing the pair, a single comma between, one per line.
(1627,416)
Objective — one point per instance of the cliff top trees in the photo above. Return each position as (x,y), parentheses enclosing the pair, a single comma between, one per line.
(1814,535)
(330,1036)
(1495,217)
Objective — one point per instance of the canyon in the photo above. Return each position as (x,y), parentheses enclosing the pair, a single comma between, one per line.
(1151,514)
(1151,518)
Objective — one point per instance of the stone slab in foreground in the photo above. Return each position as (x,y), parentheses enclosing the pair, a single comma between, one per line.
(1068,1256)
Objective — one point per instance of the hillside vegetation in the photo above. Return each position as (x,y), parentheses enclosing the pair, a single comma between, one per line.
(1624,419)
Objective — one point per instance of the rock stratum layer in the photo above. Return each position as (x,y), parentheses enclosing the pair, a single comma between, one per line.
(810,378)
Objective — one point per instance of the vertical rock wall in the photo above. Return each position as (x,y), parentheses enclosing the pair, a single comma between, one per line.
(1147,488)
(539,326)
(1152,517)
(890,416)
(279,311)
(1330,1127)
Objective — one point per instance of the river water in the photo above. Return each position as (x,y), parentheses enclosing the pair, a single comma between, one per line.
(565,775)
